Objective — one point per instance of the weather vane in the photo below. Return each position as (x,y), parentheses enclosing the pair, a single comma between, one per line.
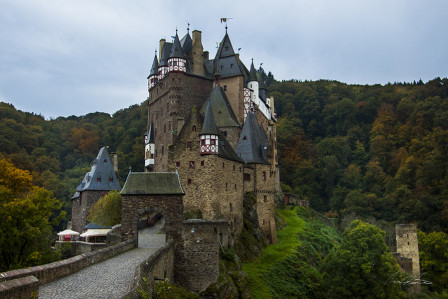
(188,27)
(224,20)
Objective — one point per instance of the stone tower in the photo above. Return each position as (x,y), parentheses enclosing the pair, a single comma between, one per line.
(407,246)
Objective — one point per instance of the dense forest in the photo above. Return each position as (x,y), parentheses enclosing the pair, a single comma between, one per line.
(370,151)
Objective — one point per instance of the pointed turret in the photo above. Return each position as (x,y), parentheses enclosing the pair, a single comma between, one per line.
(253,84)
(178,60)
(209,134)
(222,111)
(165,50)
(153,75)
(149,148)
(226,61)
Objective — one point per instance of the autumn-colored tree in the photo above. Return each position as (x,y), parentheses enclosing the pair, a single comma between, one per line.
(107,210)
(25,212)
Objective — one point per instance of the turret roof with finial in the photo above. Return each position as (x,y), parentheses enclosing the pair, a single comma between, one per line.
(176,50)
(155,67)
(209,125)
(252,146)
(253,72)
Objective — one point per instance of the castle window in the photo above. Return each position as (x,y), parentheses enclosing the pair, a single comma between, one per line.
(202,141)
(226,186)
(230,206)
(246,177)
(225,87)
(231,65)
(240,169)
(193,128)
(105,160)
(189,181)
(263,221)
(263,175)
(244,137)
(177,164)
(265,198)
(224,133)
(233,167)
(213,142)
(164,128)
(111,179)
(202,163)
(223,165)
(191,164)
(235,186)
(222,67)
(189,144)
(98,179)
(163,150)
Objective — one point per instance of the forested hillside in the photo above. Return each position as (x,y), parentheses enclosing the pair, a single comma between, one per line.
(377,151)
(370,151)
(58,152)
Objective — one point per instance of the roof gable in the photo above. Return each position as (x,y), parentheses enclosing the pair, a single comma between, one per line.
(209,125)
(222,111)
(146,183)
(101,176)
(252,146)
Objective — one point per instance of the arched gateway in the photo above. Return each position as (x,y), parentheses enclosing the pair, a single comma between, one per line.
(155,194)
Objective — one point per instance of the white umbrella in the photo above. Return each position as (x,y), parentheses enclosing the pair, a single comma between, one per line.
(68,232)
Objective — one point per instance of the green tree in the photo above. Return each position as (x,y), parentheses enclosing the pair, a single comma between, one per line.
(25,213)
(433,249)
(362,267)
(107,210)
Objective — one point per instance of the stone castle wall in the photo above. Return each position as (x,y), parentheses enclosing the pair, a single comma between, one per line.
(170,101)
(198,266)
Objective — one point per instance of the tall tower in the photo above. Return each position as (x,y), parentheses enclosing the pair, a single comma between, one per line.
(177,62)
(153,75)
(407,246)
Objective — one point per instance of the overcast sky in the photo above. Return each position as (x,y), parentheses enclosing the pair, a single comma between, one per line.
(60,57)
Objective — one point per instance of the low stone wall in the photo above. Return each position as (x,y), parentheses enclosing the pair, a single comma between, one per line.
(80,247)
(50,272)
(25,287)
(158,266)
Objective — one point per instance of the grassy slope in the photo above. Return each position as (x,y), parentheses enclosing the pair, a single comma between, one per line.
(300,226)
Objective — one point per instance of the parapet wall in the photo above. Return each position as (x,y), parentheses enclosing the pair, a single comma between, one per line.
(50,272)
(158,266)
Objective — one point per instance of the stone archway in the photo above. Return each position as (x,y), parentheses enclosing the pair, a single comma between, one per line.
(151,230)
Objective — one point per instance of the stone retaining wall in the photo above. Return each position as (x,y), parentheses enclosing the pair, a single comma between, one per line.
(25,287)
(158,266)
(50,272)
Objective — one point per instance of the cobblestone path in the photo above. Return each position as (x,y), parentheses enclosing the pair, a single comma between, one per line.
(111,278)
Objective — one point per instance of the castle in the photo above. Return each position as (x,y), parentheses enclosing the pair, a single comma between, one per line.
(212,122)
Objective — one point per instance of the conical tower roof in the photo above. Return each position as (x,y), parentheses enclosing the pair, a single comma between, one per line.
(155,67)
(209,125)
(150,134)
(187,43)
(176,49)
(253,73)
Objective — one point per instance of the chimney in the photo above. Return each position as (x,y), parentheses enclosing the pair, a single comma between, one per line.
(114,158)
(206,55)
(162,42)
(197,62)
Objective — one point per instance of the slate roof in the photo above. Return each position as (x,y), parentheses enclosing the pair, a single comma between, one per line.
(209,125)
(222,111)
(92,225)
(154,68)
(150,134)
(226,61)
(187,43)
(142,183)
(252,146)
(101,176)
(253,72)
(177,50)
(166,50)
(226,151)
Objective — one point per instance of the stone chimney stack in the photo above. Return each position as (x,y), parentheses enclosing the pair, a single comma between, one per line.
(114,158)
(197,62)
(206,55)
(161,43)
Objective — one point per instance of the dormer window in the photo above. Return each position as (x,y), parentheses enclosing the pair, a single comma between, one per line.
(98,179)
(105,160)
(244,138)
(111,179)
